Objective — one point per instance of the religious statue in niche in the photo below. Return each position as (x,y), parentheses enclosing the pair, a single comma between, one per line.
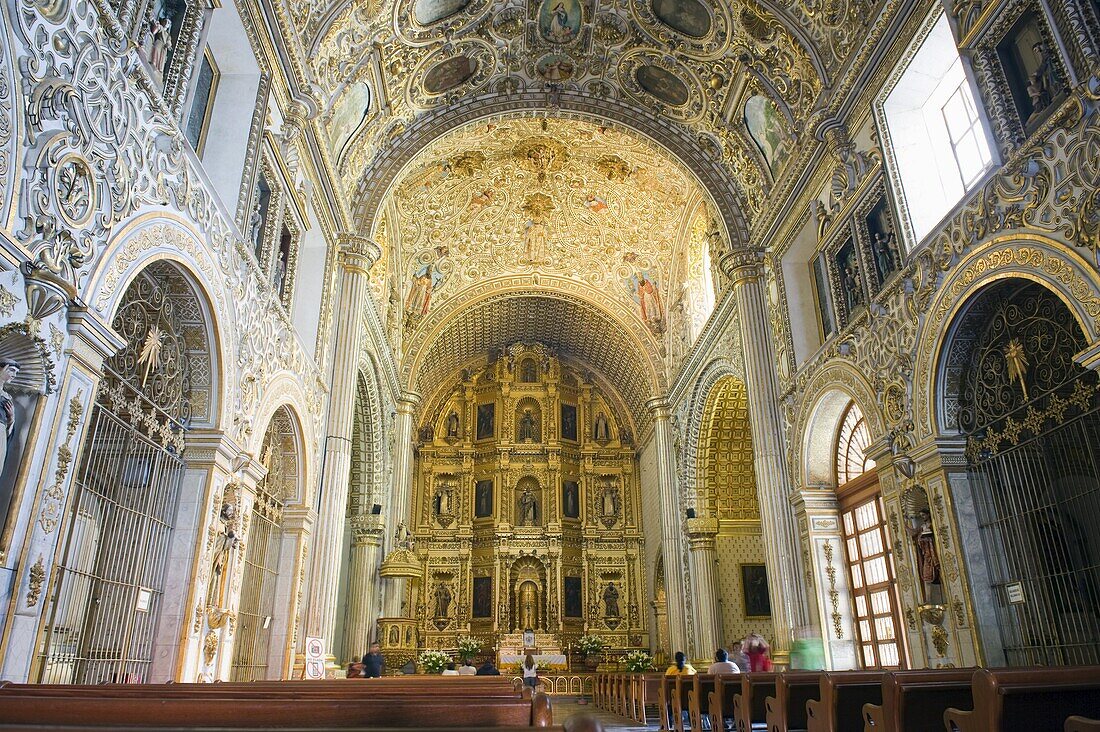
(922,532)
(570,499)
(224,544)
(443,598)
(442,504)
(847,261)
(1031,70)
(884,244)
(528,508)
(158,44)
(452,425)
(601,432)
(402,537)
(9,369)
(569,422)
(610,503)
(528,427)
(611,614)
(528,371)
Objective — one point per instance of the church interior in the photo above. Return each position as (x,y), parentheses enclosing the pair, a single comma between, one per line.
(586,331)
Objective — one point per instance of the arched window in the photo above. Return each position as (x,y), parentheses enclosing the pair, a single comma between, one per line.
(851,448)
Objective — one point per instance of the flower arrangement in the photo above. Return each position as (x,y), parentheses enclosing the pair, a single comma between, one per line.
(468,647)
(638,661)
(590,645)
(433,662)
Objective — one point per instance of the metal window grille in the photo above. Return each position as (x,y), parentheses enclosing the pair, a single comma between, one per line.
(102,613)
(261,557)
(1035,474)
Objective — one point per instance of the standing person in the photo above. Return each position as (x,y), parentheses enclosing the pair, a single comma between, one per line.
(737,655)
(467,669)
(373,663)
(759,653)
(680,666)
(722,664)
(530,671)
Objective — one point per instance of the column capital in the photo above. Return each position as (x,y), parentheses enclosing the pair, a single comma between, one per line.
(94,341)
(357,253)
(659,407)
(408,402)
(215,448)
(702,530)
(742,265)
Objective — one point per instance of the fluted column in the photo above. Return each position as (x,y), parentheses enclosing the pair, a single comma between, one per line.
(363,579)
(357,254)
(703,554)
(672,548)
(781,548)
(402,487)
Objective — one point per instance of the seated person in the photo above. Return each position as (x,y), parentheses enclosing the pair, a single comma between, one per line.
(450,670)
(722,664)
(488,669)
(467,669)
(681,666)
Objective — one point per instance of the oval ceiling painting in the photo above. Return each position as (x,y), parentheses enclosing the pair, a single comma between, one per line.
(689,17)
(448,74)
(663,84)
(428,12)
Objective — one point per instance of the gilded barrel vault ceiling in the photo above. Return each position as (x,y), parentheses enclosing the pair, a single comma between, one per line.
(383,64)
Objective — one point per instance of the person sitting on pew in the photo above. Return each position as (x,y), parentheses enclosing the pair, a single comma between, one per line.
(488,669)
(450,670)
(373,662)
(467,669)
(759,652)
(681,666)
(722,664)
(737,656)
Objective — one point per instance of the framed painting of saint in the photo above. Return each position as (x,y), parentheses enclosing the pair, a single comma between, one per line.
(570,499)
(754,582)
(483,597)
(573,605)
(486,421)
(569,422)
(483,499)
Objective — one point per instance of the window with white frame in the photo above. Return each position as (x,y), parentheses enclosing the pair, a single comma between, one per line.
(937,138)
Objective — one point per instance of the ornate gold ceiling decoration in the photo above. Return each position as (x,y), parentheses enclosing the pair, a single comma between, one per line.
(556,197)
(567,323)
(691,61)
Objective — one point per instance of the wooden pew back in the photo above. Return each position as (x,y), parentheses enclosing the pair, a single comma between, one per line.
(750,706)
(1033,699)
(843,695)
(787,709)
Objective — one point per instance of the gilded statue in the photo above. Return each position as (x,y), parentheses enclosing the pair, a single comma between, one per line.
(528,508)
(611,601)
(443,599)
(528,429)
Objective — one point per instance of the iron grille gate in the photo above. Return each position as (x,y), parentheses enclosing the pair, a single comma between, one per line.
(261,557)
(103,611)
(1036,479)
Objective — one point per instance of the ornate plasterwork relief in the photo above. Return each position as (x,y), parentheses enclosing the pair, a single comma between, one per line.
(549,196)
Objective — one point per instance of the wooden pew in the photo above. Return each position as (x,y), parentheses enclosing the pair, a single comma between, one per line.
(699,691)
(668,686)
(914,701)
(843,695)
(786,711)
(647,690)
(750,710)
(680,688)
(1033,699)
(622,691)
(1081,724)
(217,708)
(726,686)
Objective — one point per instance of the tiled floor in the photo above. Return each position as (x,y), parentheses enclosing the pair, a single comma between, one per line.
(566,706)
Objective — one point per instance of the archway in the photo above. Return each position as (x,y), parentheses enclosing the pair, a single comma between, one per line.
(124,528)
(1028,412)
(261,636)
(726,497)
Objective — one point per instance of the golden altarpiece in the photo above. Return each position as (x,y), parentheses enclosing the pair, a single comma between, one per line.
(525,512)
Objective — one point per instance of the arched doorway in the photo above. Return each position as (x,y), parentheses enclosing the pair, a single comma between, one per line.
(256,614)
(103,612)
(1030,416)
(726,495)
(869,561)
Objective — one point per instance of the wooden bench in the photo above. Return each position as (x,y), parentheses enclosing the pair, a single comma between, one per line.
(1081,724)
(217,709)
(668,686)
(843,695)
(750,710)
(646,691)
(914,701)
(721,699)
(1032,699)
(786,711)
(699,691)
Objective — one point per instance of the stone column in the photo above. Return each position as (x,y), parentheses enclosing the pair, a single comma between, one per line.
(357,254)
(703,555)
(363,583)
(781,548)
(672,548)
(402,488)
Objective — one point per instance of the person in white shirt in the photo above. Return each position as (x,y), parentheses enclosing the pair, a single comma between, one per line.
(530,671)
(722,664)
(450,670)
(466,669)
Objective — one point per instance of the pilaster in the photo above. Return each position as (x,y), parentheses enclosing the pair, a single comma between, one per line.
(672,547)
(704,556)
